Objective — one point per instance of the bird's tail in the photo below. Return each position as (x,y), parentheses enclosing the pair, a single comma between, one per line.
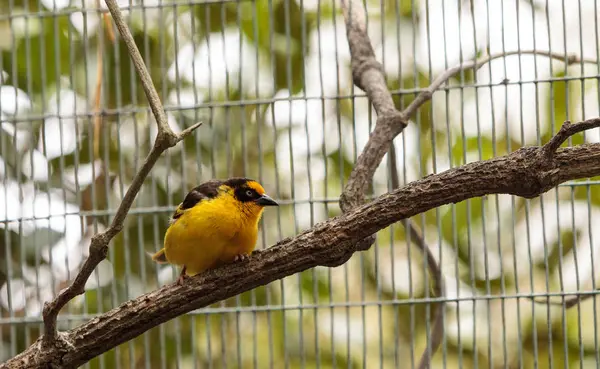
(160,257)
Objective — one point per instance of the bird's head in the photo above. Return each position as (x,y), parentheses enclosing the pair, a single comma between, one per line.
(250,194)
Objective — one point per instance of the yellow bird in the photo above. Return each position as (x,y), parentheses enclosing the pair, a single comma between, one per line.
(216,223)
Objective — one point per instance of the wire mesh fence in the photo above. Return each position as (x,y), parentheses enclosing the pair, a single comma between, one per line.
(272,81)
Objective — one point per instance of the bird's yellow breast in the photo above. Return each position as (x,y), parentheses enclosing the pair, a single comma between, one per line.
(212,232)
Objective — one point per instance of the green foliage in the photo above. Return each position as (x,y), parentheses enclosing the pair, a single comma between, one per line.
(483,146)
(563,98)
(122,77)
(39,60)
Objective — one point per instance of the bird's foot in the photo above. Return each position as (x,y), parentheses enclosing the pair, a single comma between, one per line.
(181,279)
(182,276)
(241,257)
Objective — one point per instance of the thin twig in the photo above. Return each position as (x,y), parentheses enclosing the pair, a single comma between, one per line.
(108,25)
(98,89)
(98,250)
(567,130)
(548,152)
(164,131)
(426,95)
(367,74)
(568,303)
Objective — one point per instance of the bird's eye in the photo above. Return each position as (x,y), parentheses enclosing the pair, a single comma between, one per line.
(249,193)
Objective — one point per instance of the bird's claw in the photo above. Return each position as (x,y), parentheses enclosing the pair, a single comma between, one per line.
(241,257)
(182,276)
(181,279)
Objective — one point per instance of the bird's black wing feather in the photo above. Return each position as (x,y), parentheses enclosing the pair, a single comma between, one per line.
(205,191)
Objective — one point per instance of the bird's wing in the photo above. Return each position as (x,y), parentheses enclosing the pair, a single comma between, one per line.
(205,191)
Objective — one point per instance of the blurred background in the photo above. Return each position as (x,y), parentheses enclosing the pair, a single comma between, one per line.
(271,81)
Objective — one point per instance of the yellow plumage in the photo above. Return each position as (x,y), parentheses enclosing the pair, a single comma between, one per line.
(216,223)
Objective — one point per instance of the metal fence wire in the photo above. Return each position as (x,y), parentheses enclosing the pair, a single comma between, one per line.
(272,82)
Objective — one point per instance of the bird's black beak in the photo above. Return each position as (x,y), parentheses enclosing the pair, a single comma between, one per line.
(266,200)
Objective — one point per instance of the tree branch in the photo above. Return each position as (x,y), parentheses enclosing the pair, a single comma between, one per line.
(368,75)
(390,122)
(523,173)
(98,250)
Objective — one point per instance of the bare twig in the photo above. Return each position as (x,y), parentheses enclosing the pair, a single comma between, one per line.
(548,151)
(108,26)
(98,89)
(520,173)
(165,139)
(426,95)
(568,303)
(566,130)
(368,75)
(164,131)
(97,98)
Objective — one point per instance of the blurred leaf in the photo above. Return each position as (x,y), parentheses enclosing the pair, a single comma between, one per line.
(408,83)
(16,6)
(562,97)
(549,354)
(394,9)
(6,42)
(289,64)
(255,297)
(276,27)
(422,117)
(339,163)
(255,22)
(555,256)
(108,357)
(10,155)
(313,284)
(83,153)
(473,145)
(408,10)
(587,193)
(466,77)
(215,17)
(31,244)
(495,285)
(465,217)
(120,78)
(95,197)
(582,325)
(42,59)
